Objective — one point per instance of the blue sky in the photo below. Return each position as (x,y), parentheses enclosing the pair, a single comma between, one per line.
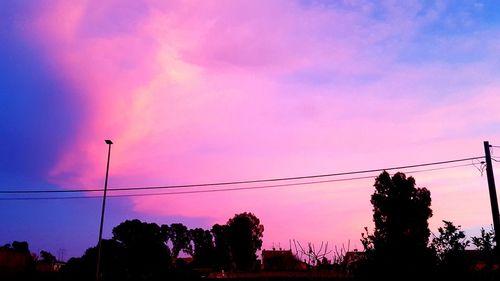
(205,92)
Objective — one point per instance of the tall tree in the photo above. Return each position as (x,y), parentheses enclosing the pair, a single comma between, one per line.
(148,256)
(202,249)
(245,239)
(179,236)
(400,213)
(222,250)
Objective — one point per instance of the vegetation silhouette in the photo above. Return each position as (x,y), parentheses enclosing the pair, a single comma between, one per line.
(450,249)
(47,257)
(16,261)
(147,251)
(485,243)
(398,248)
(113,263)
(245,239)
(488,267)
(178,234)
(222,250)
(202,248)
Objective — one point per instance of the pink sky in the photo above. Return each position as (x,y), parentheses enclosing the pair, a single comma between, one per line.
(208,91)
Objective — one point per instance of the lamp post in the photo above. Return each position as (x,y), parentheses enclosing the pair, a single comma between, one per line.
(99,244)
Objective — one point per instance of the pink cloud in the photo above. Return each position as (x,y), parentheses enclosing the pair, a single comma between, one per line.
(198,92)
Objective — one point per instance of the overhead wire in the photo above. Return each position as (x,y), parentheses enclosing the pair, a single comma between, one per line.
(239,182)
(224,189)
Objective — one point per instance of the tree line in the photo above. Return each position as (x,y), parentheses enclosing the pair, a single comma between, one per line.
(147,251)
(401,247)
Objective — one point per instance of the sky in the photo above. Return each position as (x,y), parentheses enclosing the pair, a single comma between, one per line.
(214,91)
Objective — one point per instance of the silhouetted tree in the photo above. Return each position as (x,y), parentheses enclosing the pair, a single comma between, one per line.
(485,243)
(113,264)
(202,249)
(315,256)
(148,256)
(179,236)
(16,261)
(399,244)
(47,257)
(20,247)
(450,249)
(245,239)
(450,242)
(222,251)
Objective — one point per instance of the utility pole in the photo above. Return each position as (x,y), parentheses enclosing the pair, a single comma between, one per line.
(493,194)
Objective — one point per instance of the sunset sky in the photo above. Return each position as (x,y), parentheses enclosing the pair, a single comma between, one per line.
(214,91)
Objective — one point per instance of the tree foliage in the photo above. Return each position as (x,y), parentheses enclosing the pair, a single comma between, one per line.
(16,261)
(113,263)
(47,257)
(485,243)
(20,247)
(140,251)
(400,212)
(450,243)
(148,256)
(179,236)
(449,246)
(202,249)
(222,249)
(245,239)
(401,235)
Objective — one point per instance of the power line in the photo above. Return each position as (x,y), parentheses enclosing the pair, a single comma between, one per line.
(190,191)
(220,190)
(239,182)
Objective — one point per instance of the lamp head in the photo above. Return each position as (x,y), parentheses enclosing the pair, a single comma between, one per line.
(108,141)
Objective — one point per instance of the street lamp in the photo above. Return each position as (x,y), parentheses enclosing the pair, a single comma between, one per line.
(99,244)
